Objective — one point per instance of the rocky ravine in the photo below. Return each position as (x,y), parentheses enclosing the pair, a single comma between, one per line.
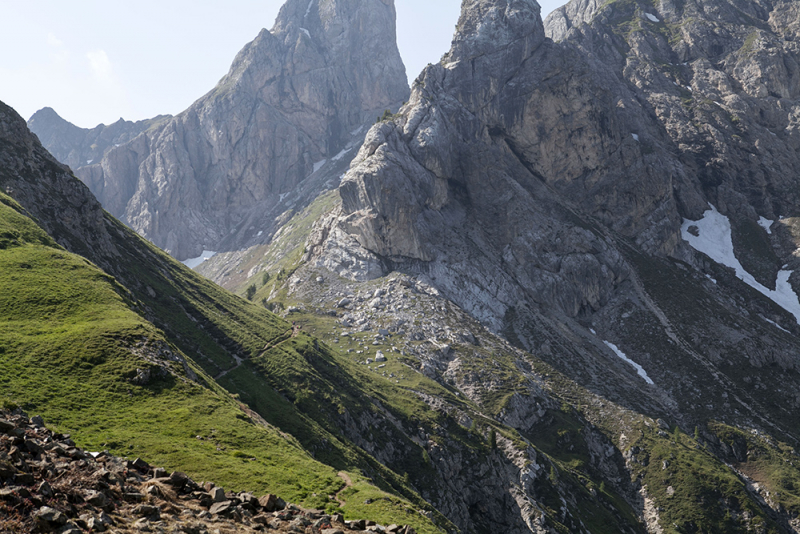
(217,175)
(47,484)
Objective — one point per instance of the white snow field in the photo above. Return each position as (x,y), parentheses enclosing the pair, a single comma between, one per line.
(639,369)
(194,262)
(714,240)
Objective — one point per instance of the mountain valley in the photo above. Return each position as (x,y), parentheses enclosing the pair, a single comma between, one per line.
(553,288)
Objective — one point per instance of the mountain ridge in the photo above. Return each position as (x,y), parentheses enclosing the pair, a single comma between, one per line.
(291,101)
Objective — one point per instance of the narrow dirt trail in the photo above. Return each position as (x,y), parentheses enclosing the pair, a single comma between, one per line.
(295,331)
(238,363)
(347,484)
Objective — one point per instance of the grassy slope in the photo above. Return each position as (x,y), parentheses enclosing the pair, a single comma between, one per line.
(64,319)
(708,495)
(229,325)
(66,333)
(332,382)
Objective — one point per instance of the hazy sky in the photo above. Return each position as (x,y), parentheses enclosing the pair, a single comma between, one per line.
(95,61)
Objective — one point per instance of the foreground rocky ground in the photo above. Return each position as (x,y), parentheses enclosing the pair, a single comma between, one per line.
(48,484)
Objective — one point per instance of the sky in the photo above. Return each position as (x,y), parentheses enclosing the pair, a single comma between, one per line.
(94,61)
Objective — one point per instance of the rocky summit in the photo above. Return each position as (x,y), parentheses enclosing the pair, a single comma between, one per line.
(557,291)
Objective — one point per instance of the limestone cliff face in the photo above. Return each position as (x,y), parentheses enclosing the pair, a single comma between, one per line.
(294,96)
(540,174)
(720,78)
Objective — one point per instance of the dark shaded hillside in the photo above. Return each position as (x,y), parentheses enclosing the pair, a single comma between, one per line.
(119,357)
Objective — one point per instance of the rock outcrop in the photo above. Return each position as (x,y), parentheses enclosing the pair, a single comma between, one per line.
(48,484)
(295,98)
(540,176)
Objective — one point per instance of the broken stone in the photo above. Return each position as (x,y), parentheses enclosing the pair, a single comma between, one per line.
(269,502)
(178,480)
(95,525)
(221,508)
(5,426)
(33,446)
(6,470)
(49,518)
(139,464)
(133,496)
(217,494)
(45,490)
(146,510)
(8,494)
(97,498)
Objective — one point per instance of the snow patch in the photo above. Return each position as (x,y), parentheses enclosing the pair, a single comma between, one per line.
(89,162)
(776,325)
(305,31)
(652,17)
(339,156)
(194,262)
(259,233)
(318,165)
(635,137)
(765,223)
(357,130)
(714,240)
(639,369)
(308,9)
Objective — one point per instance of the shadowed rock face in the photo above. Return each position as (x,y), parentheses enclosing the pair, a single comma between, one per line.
(293,97)
(541,183)
(79,147)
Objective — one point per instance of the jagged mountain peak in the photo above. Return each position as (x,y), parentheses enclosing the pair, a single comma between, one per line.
(217,176)
(346,39)
(724,16)
(489,26)
(46,113)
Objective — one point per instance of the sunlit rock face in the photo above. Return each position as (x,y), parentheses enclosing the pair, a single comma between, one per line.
(540,174)
(294,96)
